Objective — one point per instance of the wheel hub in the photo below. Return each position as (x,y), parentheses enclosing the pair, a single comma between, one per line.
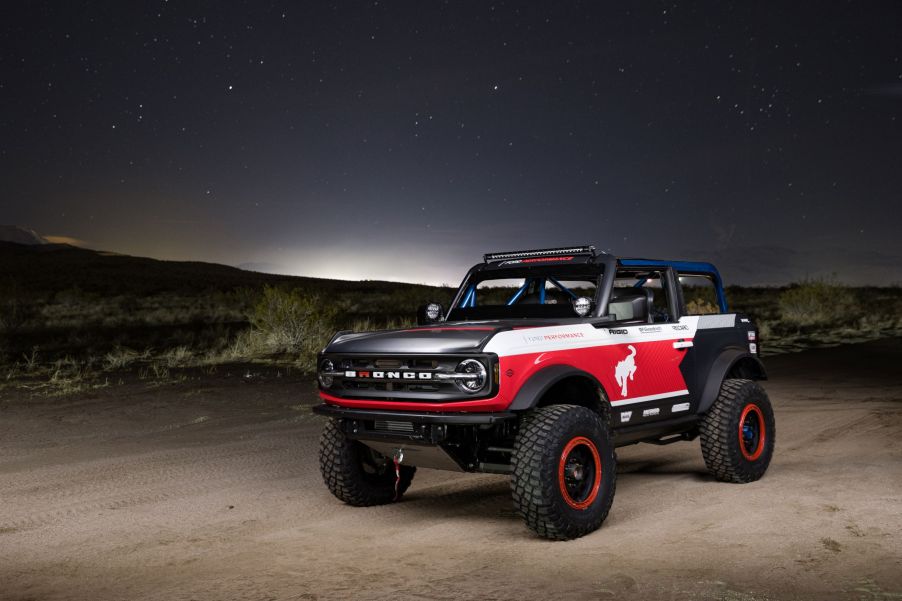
(576,471)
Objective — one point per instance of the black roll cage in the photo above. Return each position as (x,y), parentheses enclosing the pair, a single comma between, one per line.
(607,265)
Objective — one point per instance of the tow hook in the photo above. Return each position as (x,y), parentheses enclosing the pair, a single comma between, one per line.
(398,458)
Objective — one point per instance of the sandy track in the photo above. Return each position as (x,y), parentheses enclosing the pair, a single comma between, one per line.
(209,489)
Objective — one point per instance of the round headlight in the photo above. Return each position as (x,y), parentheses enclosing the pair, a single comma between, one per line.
(433,311)
(582,305)
(476,375)
(325,370)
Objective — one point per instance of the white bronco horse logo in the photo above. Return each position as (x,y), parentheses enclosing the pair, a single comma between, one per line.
(625,369)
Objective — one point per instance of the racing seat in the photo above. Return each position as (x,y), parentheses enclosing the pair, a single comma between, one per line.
(631,304)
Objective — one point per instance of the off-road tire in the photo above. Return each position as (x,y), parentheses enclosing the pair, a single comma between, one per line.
(728,456)
(355,473)
(538,484)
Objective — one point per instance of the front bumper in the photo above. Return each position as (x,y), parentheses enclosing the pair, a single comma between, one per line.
(446,441)
(416,417)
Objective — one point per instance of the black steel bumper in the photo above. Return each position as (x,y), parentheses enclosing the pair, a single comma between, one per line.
(416,417)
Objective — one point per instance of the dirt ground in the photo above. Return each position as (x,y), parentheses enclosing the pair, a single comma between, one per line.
(209,489)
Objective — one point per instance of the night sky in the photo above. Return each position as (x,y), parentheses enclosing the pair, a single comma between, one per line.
(401,140)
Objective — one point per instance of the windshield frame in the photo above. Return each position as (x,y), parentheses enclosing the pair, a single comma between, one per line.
(585,271)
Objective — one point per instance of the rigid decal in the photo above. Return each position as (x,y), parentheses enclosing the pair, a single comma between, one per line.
(625,416)
(753,348)
(679,407)
(751,335)
(625,369)
(650,412)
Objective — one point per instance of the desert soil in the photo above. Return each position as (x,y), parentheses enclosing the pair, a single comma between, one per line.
(210,489)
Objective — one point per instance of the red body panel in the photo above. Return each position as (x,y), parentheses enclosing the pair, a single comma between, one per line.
(657,372)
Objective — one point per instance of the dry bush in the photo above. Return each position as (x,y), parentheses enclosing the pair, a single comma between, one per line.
(16,308)
(69,376)
(180,356)
(122,357)
(291,321)
(701,306)
(815,302)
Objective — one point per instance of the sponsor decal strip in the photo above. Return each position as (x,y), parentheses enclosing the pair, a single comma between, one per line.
(553,338)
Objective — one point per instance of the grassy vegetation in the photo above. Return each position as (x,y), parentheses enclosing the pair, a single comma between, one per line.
(815,313)
(72,320)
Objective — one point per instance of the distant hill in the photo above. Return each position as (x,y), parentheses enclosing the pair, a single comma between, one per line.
(20,235)
(49,268)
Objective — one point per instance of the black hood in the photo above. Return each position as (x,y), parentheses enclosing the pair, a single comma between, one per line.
(450,338)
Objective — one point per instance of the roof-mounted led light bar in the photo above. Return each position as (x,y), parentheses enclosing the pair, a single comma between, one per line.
(545,252)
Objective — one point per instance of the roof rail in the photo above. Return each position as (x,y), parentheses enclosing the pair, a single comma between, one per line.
(545,252)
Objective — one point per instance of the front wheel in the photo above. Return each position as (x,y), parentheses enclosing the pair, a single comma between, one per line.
(357,474)
(564,471)
(738,432)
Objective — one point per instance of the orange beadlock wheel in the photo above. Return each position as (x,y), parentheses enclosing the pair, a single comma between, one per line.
(579,473)
(752,433)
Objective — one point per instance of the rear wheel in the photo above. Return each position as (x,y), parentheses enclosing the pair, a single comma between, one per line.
(357,474)
(564,471)
(737,433)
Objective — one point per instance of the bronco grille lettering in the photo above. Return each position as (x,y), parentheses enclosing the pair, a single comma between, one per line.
(390,375)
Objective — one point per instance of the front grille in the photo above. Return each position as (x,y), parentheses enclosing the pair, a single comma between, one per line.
(400,377)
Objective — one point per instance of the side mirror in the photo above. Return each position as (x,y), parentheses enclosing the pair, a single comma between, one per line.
(429,314)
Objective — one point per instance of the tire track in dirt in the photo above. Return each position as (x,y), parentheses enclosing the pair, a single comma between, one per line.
(149,478)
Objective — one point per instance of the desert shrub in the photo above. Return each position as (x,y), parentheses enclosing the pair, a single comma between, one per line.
(16,308)
(292,321)
(69,376)
(701,306)
(369,325)
(179,356)
(816,301)
(121,357)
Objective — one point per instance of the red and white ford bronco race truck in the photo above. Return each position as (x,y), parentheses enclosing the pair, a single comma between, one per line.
(545,362)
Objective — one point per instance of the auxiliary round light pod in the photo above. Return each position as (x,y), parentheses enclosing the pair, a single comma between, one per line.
(433,311)
(582,305)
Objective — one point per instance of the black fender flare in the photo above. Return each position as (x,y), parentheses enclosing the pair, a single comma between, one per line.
(539,383)
(719,370)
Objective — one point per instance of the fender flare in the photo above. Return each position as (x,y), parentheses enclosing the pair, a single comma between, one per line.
(541,382)
(719,370)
